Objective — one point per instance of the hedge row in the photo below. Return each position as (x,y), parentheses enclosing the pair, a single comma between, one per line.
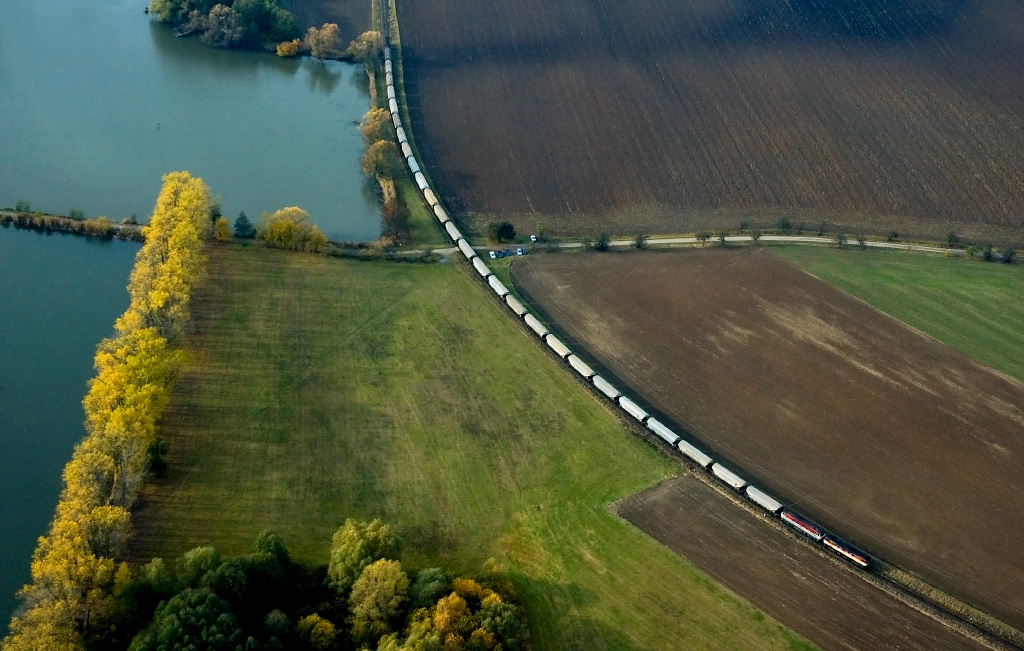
(101,227)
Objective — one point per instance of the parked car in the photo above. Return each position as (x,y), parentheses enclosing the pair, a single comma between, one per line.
(493,256)
(520,251)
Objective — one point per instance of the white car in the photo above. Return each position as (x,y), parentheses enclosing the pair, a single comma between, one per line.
(493,255)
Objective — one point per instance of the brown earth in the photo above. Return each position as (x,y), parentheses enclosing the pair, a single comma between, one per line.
(666,116)
(351,16)
(906,446)
(830,606)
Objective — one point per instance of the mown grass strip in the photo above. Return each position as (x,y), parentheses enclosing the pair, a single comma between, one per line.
(322,389)
(975,307)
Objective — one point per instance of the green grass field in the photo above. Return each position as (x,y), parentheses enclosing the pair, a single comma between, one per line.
(975,307)
(320,389)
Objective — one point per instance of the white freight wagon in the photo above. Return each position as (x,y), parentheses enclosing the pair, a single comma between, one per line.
(661,430)
(497,286)
(536,325)
(515,305)
(728,476)
(581,367)
(605,387)
(481,268)
(560,349)
(633,409)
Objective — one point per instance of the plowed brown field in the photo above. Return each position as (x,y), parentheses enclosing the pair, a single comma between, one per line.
(832,607)
(904,445)
(670,115)
(351,16)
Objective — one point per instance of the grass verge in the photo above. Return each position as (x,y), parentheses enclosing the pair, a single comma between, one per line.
(975,307)
(320,389)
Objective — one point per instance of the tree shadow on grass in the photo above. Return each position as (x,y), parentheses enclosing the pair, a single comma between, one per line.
(576,632)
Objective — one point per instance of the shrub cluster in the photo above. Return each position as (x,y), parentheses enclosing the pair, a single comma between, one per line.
(264,601)
(242,24)
(75,575)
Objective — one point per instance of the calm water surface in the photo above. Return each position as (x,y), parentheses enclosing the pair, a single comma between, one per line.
(97,103)
(59,296)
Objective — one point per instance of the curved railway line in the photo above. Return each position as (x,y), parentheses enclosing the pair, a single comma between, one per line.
(715,470)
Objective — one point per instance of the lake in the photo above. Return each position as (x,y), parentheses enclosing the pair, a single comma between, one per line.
(99,102)
(59,296)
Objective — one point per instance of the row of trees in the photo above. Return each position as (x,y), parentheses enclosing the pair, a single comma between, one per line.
(100,227)
(75,573)
(244,24)
(264,601)
(383,161)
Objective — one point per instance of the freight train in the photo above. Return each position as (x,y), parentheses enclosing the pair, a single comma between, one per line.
(730,478)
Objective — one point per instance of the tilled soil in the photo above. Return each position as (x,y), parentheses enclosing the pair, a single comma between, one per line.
(666,116)
(902,444)
(351,16)
(828,605)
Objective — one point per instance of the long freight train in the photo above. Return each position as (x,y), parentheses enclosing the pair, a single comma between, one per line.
(762,499)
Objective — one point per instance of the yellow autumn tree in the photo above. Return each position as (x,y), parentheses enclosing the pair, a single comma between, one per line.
(317,240)
(323,42)
(222,230)
(381,159)
(376,125)
(367,47)
(288,228)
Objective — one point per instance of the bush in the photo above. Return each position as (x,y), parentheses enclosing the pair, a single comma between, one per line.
(22,206)
(502,232)
(603,243)
(76,214)
(430,585)
(1009,254)
(288,48)
(783,224)
(640,242)
(952,239)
